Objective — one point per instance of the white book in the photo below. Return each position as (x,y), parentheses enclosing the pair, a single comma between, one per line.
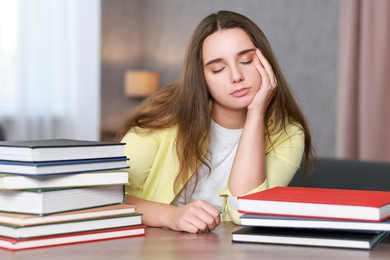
(66,227)
(313,223)
(19,219)
(13,244)
(48,201)
(18,182)
(58,150)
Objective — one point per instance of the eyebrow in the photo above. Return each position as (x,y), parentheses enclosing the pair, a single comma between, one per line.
(238,54)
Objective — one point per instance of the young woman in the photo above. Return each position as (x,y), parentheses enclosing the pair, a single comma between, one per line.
(228,127)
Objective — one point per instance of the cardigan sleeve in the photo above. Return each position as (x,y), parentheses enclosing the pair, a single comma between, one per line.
(141,150)
(283,157)
(153,164)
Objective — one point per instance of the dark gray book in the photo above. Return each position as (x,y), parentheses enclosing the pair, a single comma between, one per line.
(309,237)
(59,149)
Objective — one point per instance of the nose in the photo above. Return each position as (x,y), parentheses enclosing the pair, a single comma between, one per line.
(236,74)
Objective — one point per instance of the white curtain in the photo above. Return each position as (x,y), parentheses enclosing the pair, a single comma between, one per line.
(50,69)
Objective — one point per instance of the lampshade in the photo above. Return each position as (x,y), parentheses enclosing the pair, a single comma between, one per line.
(141,83)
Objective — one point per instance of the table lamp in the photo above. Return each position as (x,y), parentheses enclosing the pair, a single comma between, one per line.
(141,83)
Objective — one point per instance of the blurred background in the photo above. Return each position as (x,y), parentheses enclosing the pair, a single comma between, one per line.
(68,67)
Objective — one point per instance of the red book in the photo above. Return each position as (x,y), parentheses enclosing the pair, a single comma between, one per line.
(71,238)
(361,205)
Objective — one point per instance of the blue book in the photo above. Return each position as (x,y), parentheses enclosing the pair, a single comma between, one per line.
(62,167)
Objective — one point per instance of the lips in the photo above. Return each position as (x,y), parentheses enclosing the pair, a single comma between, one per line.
(240,92)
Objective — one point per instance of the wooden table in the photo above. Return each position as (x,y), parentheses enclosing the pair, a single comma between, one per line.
(165,244)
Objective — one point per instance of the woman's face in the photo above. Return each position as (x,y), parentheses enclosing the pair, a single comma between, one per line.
(229,70)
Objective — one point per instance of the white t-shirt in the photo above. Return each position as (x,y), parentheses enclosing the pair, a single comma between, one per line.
(223,147)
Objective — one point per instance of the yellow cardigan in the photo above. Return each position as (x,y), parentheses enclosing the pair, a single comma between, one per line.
(154,165)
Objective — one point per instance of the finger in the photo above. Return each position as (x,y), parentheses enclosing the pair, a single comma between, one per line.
(196,225)
(211,215)
(208,216)
(267,66)
(198,219)
(265,63)
(264,75)
(208,222)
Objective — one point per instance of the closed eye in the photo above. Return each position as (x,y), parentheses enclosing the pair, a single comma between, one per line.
(217,71)
(246,62)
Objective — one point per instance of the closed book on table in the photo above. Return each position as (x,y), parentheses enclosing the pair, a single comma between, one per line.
(309,237)
(62,167)
(313,223)
(64,227)
(48,201)
(58,150)
(20,219)
(18,182)
(13,244)
(362,205)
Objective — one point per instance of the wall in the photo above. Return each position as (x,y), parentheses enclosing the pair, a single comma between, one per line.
(121,49)
(303,33)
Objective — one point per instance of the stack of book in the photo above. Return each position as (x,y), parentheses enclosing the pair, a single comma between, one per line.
(63,191)
(315,217)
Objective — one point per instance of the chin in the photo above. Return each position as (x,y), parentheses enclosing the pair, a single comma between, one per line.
(241,106)
(244,102)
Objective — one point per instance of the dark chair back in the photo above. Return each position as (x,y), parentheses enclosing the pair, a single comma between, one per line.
(346,174)
(2,135)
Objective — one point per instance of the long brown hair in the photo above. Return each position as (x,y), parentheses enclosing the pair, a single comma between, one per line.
(186,103)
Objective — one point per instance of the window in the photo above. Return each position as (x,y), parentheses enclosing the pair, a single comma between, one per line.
(49,69)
